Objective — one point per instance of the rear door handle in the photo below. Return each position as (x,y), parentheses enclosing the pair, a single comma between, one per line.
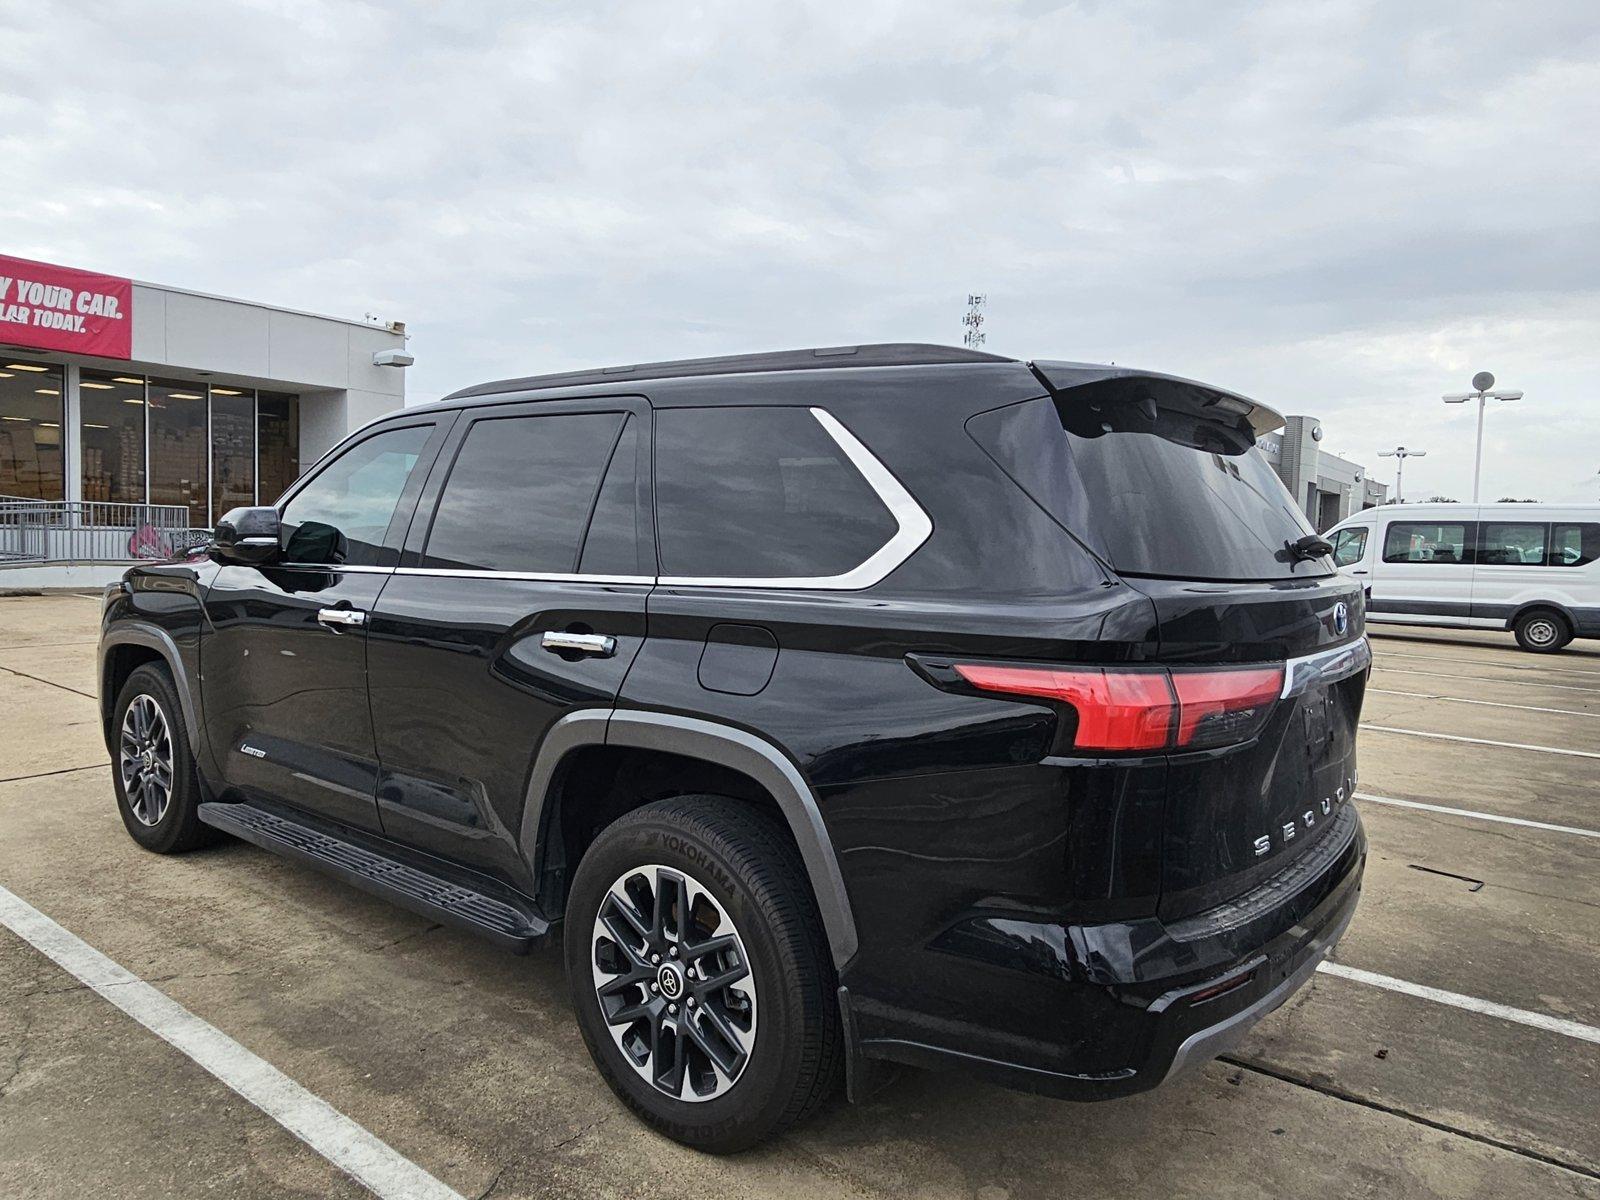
(339,618)
(601,645)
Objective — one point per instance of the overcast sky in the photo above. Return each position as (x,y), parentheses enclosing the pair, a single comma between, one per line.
(1341,208)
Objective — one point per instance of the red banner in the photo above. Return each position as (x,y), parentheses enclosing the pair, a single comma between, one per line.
(59,308)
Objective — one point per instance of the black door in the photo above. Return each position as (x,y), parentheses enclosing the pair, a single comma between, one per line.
(520,597)
(284,657)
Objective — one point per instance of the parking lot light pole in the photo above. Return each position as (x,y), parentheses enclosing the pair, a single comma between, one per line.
(1483,381)
(1400,454)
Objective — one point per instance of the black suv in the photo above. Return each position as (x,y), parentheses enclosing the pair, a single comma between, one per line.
(879,705)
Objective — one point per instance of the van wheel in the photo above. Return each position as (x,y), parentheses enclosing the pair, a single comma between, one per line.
(1542,630)
(700,972)
(153,771)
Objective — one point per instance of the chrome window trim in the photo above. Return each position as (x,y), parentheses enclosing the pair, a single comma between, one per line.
(329,568)
(913,528)
(1326,666)
(534,576)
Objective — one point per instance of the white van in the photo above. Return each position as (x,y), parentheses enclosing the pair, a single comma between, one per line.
(1531,568)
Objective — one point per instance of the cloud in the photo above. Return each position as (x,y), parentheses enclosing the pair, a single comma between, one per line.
(1345,208)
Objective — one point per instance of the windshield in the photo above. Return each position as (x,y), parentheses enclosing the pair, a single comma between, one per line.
(1157,490)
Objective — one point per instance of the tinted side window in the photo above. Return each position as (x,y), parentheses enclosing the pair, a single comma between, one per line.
(520,493)
(611,546)
(1418,542)
(1574,545)
(343,513)
(1348,546)
(1518,543)
(760,493)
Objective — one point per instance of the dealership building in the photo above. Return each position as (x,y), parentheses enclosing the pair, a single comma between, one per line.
(1328,488)
(132,414)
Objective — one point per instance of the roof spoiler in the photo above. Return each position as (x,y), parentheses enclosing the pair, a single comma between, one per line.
(1062,377)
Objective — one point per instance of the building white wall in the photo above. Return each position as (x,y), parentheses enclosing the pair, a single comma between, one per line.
(187,331)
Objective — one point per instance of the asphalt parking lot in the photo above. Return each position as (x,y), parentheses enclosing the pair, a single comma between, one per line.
(1453,1049)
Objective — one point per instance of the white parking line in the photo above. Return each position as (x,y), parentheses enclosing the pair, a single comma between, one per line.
(1453,737)
(1500,666)
(371,1162)
(1481,816)
(1565,712)
(1522,1016)
(1560,687)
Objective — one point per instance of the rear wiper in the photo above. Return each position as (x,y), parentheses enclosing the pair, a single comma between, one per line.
(1311,546)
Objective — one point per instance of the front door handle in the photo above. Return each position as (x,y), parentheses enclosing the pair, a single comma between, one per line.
(340,618)
(600,645)
(1359,571)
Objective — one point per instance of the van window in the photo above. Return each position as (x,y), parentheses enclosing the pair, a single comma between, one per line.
(1519,543)
(1349,546)
(760,493)
(1574,545)
(1425,542)
(520,493)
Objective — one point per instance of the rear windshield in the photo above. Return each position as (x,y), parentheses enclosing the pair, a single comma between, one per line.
(1155,488)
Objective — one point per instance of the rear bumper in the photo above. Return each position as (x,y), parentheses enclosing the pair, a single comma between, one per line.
(1125,1007)
(1205,1044)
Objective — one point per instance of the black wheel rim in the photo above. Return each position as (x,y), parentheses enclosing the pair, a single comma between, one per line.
(674,984)
(145,760)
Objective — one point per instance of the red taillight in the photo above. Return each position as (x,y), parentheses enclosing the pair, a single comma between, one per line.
(1117,710)
(1151,709)
(1217,707)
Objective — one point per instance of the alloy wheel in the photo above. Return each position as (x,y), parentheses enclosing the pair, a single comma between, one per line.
(674,983)
(145,760)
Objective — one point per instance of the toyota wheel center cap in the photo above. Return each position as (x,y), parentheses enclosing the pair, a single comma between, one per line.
(670,980)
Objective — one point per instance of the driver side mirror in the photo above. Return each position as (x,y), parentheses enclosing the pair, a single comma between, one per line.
(246,535)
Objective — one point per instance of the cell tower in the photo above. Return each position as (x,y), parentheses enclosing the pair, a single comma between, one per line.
(973,320)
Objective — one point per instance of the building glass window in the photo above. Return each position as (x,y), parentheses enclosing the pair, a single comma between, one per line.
(233,449)
(111,413)
(178,448)
(278,436)
(1513,544)
(31,410)
(1417,542)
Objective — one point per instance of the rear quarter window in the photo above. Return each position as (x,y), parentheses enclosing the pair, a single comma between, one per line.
(760,493)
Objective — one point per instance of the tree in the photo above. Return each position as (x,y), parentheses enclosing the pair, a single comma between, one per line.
(1514,500)
(1442,500)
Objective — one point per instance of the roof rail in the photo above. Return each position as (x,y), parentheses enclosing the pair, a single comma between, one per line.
(885,354)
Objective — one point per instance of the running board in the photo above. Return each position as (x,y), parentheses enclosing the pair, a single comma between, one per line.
(514,924)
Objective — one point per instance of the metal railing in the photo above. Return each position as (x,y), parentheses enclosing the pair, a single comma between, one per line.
(60,531)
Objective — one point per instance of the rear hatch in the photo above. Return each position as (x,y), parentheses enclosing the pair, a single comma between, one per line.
(1161,479)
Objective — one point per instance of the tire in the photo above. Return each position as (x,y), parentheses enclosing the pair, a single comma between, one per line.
(739,865)
(1542,630)
(148,734)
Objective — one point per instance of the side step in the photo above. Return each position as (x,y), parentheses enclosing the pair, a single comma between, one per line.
(508,921)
